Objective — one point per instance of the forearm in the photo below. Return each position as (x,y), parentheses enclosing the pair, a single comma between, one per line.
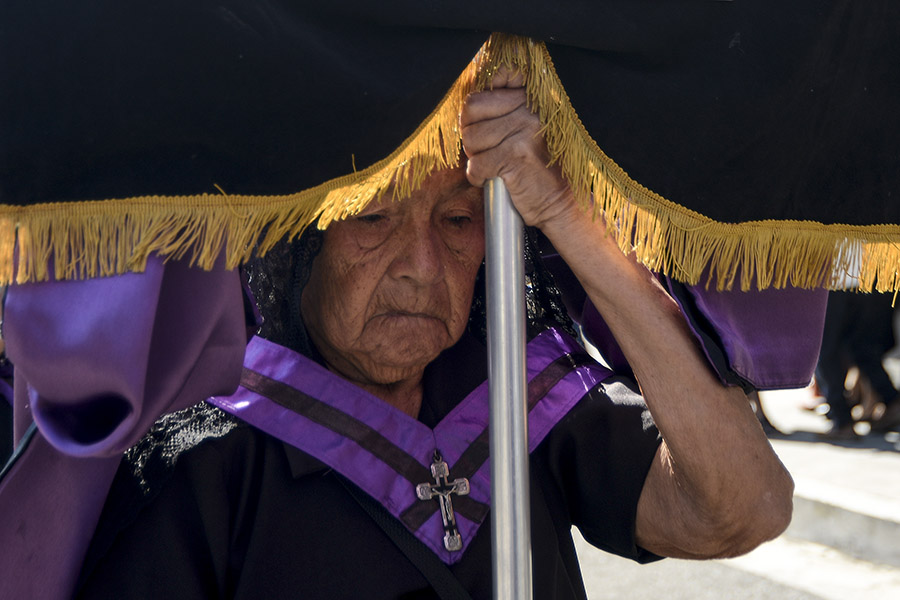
(716,475)
(716,487)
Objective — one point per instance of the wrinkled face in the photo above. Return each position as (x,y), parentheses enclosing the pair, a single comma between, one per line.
(392,286)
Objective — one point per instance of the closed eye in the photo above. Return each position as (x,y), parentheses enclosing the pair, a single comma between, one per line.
(370,218)
(459,220)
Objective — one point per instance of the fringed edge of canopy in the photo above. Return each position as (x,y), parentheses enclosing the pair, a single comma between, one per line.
(77,240)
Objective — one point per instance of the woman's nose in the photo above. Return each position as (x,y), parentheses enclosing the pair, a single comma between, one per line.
(419,256)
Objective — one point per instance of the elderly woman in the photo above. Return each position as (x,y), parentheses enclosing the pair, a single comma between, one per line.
(387,380)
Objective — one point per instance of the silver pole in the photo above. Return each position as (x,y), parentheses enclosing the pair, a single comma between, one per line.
(510,506)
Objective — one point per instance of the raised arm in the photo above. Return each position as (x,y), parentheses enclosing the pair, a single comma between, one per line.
(716,487)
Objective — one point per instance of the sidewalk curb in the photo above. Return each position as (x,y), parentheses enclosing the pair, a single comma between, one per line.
(866,537)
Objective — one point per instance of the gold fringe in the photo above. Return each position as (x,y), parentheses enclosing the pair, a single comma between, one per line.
(676,241)
(101,238)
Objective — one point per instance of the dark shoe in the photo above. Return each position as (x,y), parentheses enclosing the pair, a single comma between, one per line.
(770,430)
(889,419)
(840,433)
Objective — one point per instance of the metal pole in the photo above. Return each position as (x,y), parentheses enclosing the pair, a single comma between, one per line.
(510,512)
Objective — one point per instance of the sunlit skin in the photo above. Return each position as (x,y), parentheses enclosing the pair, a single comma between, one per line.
(392,287)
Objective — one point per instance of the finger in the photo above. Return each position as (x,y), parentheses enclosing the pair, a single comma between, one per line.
(482,166)
(520,153)
(507,78)
(490,105)
(540,194)
(490,133)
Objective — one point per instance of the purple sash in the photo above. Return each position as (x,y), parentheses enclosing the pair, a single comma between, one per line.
(386,452)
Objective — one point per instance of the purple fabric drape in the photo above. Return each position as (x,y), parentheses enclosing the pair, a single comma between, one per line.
(765,339)
(770,338)
(97,362)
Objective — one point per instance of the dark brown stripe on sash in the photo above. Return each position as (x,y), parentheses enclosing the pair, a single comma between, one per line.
(339,422)
(545,381)
(370,439)
(479,450)
(416,515)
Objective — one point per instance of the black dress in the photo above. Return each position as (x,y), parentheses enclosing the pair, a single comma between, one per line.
(241,514)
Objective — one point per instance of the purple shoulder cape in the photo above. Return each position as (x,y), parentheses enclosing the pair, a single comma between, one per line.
(389,454)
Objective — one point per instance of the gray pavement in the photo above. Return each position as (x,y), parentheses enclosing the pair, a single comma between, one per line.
(847,494)
(843,542)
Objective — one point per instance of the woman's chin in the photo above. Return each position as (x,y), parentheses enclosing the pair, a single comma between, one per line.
(388,356)
(388,372)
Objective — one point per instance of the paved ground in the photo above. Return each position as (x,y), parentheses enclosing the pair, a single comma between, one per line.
(843,543)
(785,569)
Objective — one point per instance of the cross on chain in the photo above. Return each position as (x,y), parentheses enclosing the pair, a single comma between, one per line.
(442,488)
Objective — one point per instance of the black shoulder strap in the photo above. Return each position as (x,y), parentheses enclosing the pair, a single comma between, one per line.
(436,572)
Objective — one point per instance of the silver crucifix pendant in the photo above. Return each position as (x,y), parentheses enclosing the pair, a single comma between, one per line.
(442,488)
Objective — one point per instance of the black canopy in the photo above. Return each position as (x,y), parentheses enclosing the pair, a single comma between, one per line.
(758,138)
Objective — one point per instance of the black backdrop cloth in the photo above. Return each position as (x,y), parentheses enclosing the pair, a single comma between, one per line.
(739,110)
